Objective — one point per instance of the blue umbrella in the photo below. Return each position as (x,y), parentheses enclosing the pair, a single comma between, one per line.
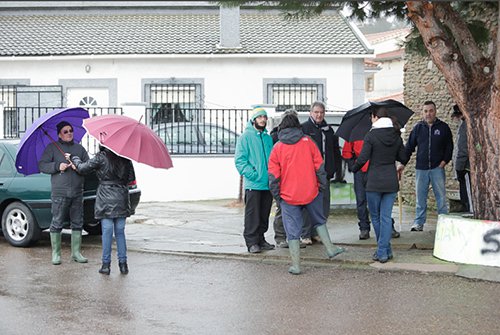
(43,132)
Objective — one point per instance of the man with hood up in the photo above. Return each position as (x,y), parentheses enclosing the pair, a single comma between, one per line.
(251,158)
(297,179)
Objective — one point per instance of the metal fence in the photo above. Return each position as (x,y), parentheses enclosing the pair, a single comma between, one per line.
(196,131)
(191,131)
(8,94)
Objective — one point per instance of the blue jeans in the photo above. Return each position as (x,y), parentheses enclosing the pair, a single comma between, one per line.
(307,229)
(423,178)
(293,220)
(380,206)
(118,225)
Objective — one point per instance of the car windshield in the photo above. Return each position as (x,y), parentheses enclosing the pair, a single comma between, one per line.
(188,137)
(12,148)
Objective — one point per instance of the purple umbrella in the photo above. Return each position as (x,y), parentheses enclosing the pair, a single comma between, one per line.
(43,132)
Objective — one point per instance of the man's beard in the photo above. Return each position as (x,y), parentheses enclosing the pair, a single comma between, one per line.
(259,127)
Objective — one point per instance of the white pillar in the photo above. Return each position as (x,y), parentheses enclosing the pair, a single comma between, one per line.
(2,121)
(135,110)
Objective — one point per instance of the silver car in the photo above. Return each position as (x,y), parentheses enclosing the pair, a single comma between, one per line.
(197,138)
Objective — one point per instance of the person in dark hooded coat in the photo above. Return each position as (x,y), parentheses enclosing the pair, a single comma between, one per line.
(112,204)
(383,146)
(296,180)
(328,144)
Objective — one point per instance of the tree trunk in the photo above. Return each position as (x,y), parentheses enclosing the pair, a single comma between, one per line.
(473,82)
(483,141)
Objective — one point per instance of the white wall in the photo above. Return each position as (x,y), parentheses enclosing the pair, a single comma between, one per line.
(389,80)
(191,178)
(228,82)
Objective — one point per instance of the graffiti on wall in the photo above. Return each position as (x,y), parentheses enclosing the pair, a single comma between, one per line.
(467,241)
(492,238)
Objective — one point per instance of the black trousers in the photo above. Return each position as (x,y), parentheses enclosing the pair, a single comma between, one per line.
(64,209)
(279,229)
(257,210)
(463,177)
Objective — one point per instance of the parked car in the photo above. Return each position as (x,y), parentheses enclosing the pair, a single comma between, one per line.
(197,138)
(25,205)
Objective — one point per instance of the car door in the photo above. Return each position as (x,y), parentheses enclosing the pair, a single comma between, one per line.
(218,139)
(182,138)
(7,172)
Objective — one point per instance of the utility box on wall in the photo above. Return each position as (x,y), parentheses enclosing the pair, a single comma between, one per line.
(342,195)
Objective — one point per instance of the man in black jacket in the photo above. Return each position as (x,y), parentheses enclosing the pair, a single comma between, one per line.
(67,191)
(434,140)
(328,144)
(461,161)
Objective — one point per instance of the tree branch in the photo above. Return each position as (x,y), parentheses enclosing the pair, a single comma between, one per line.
(439,44)
(497,59)
(458,28)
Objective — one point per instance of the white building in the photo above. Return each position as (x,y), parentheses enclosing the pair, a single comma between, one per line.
(139,55)
(384,73)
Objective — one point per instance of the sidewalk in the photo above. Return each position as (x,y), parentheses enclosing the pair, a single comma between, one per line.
(214,229)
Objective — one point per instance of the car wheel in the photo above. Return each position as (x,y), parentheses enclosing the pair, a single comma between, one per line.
(93,228)
(19,226)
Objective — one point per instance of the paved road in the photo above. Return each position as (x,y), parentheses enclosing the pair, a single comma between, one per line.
(166,294)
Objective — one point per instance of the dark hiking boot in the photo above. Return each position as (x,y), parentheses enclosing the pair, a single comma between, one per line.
(123,268)
(364,234)
(105,270)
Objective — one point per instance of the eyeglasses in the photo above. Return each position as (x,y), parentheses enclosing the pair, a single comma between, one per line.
(67,131)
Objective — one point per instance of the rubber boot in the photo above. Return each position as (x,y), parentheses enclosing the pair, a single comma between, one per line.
(294,247)
(55,242)
(331,249)
(76,243)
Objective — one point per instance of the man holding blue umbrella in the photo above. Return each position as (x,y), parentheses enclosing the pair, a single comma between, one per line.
(67,190)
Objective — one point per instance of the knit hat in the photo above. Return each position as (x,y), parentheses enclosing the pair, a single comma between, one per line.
(61,125)
(258,111)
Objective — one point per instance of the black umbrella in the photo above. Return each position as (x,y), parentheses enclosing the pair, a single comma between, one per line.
(357,122)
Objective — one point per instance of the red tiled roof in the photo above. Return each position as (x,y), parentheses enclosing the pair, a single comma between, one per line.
(396,96)
(387,35)
(390,55)
(371,63)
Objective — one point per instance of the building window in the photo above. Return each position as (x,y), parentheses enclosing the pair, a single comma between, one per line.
(298,96)
(370,83)
(174,102)
(8,95)
(88,102)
